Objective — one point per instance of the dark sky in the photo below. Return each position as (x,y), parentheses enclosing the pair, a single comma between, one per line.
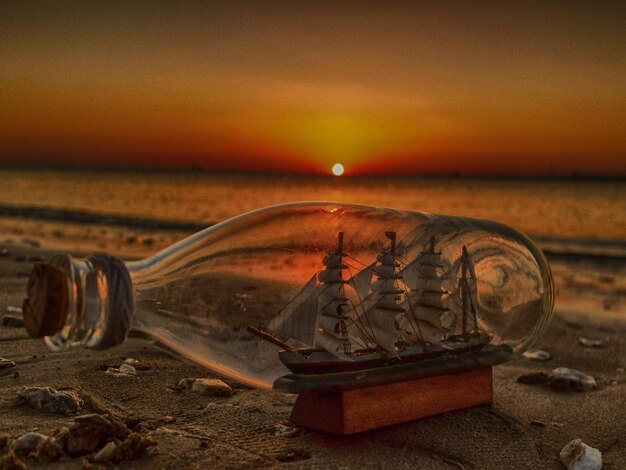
(473,87)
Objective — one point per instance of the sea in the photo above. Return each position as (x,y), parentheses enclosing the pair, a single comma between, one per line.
(564,208)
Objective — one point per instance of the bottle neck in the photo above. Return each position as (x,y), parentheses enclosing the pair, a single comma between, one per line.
(99,303)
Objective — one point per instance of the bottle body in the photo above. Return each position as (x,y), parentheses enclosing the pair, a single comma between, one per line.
(334,286)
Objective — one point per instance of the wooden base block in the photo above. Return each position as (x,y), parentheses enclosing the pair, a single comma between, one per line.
(360,409)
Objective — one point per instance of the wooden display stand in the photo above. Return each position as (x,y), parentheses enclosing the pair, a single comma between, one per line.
(356,410)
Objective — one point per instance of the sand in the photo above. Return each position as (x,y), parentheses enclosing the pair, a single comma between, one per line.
(526,426)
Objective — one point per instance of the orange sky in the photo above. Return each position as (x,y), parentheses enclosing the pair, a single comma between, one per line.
(439,87)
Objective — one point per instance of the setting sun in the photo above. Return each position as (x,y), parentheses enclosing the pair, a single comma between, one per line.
(337,169)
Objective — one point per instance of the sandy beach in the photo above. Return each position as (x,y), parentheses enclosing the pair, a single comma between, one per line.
(526,426)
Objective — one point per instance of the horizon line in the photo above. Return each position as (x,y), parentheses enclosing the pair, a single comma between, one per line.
(571,175)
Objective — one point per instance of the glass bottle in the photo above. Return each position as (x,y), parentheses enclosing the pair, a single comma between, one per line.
(311,295)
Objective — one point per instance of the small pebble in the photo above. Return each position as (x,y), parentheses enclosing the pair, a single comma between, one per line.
(206,387)
(4,252)
(12,309)
(28,443)
(561,379)
(536,422)
(576,455)
(106,453)
(281,430)
(136,364)
(6,363)
(12,321)
(537,355)
(565,379)
(591,343)
(620,370)
(52,400)
(90,432)
(125,370)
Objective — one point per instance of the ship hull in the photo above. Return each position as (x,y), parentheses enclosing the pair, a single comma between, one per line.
(316,362)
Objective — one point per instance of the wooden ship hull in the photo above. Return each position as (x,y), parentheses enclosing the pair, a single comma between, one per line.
(319,361)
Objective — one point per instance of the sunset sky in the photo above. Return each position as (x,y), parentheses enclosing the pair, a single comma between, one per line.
(387,87)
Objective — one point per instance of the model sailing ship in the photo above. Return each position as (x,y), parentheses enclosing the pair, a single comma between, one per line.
(405,315)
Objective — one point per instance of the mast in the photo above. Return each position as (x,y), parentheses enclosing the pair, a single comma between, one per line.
(315,315)
(427,299)
(332,334)
(467,292)
(463,319)
(386,312)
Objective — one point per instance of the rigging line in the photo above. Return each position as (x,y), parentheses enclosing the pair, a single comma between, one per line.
(367,336)
(326,287)
(294,298)
(364,311)
(412,312)
(288,303)
(360,262)
(471,302)
(364,334)
(350,265)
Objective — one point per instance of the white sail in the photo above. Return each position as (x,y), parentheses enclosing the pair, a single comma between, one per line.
(384,324)
(333,345)
(363,280)
(428,314)
(449,321)
(386,286)
(331,291)
(389,302)
(411,276)
(298,319)
(429,333)
(386,271)
(428,301)
(422,273)
(470,309)
(435,299)
(420,332)
(331,325)
(387,340)
(331,307)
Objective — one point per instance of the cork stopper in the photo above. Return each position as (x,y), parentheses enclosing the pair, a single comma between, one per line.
(46,302)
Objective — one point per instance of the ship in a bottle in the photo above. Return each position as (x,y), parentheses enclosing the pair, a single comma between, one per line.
(402,313)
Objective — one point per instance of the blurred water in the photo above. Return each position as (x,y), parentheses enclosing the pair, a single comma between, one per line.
(566,208)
